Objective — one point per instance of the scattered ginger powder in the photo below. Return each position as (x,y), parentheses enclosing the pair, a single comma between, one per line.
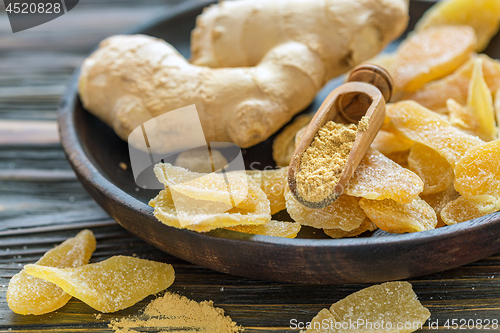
(175,313)
(324,160)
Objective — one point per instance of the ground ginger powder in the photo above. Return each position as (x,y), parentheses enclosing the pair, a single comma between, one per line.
(324,160)
(175,313)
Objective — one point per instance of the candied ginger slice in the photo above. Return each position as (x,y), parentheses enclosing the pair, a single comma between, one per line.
(482,15)
(388,142)
(477,175)
(273,183)
(367,225)
(378,177)
(434,94)
(110,285)
(461,117)
(386,305)
(228,188)
(461,210)
(344,213)
(284,143)
(398,218)
(29,295)
(431,54)
(273,228)
(431,167)
(439,200)
(422,125)
(204,219)
(480,104)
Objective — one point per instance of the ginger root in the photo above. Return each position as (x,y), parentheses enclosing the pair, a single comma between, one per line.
(272,58)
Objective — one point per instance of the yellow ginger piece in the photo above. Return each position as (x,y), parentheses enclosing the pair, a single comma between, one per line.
(196,210)
(388,142)
(400,158)
(273,183)
(110,285)
(431,54)
(213,187)
(480,104)
(419,124)
(273,228)
(431,167)
(377,178)
(367,225)
(29,295)
(284,143)
(398,218)
(482,15)
(203,202)
(344,213)
(461,210)
(478,118)
(272,57)
(477,176)
(439,200)
(392,306)
(461,117)
(435,94)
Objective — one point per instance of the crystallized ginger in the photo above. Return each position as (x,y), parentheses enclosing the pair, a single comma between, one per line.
(388,307)
(110,285)
(30,295)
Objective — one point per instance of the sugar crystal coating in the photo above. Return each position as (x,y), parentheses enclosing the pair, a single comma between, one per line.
(432,54)
(435,94)
(377,178)
(419,124)
(273,228)
(389,307)
(439,200)
(367,225)
(388,142)
(461,210)
(110,285)
(344,213)
(203,202)
(394,217)
(477,177)
(482,15)
(30,295)
(431,167)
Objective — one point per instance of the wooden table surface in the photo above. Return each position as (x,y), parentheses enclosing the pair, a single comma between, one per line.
(42,203)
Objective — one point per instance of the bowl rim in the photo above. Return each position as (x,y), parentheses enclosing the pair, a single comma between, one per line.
(87,171)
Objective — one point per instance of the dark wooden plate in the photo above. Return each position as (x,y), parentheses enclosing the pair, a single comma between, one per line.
(95,152)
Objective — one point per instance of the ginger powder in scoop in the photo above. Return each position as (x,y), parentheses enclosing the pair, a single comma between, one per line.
(323,162)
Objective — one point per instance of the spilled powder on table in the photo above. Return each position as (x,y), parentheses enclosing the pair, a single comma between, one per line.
(324,160)
(173,313)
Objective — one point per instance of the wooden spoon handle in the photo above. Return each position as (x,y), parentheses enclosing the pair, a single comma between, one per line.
(350,101)
(375,75)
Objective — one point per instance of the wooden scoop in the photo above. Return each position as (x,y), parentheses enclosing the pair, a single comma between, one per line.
(365,94)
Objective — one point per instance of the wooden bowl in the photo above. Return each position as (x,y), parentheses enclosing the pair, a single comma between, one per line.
(94,152)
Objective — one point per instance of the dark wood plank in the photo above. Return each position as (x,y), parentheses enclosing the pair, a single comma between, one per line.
(28,133)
